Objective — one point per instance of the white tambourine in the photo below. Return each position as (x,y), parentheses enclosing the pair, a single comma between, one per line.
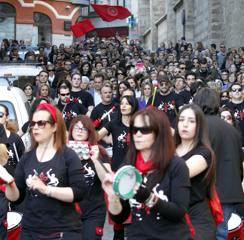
(125,180)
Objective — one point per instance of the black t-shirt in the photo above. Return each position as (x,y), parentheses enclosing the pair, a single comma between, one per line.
(45,214)
(70,111)
(120,135)
(101,109)
(165,220)
(83,97)
(94,203)
(238,110)
(185,95)
(169,104)
(199,187)
(14,140)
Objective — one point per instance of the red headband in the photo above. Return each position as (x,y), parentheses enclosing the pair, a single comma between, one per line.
(50,108)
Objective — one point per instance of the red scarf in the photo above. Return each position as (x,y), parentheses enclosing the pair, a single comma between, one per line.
(141,165)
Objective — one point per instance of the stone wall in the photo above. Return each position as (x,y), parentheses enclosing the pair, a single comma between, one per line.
(210,21)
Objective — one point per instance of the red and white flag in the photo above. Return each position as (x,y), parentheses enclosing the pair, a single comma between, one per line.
(82,27)
(110,13)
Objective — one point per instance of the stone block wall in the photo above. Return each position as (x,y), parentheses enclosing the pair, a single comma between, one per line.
(210,21)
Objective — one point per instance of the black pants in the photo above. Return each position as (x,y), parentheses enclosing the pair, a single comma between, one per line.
(203,222)
(28,235)
(3,232)
(92,228)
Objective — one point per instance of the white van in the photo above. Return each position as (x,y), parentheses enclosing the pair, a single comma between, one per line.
(16,102)
(18,74)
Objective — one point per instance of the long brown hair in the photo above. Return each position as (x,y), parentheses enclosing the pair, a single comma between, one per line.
(201,138)
(88,124)
(163,148)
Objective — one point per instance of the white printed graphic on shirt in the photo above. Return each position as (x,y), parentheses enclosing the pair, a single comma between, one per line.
(139,207)
(88,172)
(122,139)
(48,179)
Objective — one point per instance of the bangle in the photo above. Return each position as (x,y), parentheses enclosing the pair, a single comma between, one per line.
(151,201)
(114,199)
(49,192)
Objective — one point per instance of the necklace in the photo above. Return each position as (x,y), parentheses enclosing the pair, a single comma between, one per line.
(44,150)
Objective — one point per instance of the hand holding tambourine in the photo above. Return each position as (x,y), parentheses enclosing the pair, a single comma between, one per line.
(5,177)
(125,183)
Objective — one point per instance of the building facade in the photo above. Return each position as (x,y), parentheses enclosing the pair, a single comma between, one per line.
(35,21)
(210,21)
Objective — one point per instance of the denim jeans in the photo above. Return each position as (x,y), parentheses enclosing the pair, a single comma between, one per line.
(222,229)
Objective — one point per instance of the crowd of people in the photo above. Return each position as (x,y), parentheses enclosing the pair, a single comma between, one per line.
(176,115)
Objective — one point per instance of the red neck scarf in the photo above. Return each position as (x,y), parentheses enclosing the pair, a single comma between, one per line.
(141,165)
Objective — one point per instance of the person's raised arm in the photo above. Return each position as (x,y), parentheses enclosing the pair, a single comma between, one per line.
(102,133)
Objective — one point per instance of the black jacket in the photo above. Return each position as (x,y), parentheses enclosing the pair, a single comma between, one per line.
(226,144)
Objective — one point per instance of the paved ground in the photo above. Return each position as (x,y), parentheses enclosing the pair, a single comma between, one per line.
(108,231)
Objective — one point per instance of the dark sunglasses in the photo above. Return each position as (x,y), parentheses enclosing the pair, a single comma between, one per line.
(1,114)
(236,90)
(64,94)
(120,73)
(143,130)
(40,123)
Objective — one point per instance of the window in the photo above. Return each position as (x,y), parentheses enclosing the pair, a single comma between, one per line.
(7,21)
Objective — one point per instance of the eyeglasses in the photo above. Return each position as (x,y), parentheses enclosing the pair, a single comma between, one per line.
(40,124)
(227,118)
(143,130)
(236,90)
(64,94)
(120,73)
(78,128)
(1,114)
(222,46)
(182,68)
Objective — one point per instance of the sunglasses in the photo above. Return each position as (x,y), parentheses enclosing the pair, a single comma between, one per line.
(143,130)
(119,73)
(236,90)
(40,123)
(1,114)
(64,94)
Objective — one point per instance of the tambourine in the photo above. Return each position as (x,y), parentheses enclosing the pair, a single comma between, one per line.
(125,180)
(81,148)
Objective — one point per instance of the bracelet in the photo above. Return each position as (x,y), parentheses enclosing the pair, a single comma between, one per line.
(49,193)
(151,201)
(114,199)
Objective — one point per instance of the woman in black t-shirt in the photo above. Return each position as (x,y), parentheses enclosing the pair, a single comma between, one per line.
(193,146)
(119,128)
(93,207)
(159,205)
(48,178)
